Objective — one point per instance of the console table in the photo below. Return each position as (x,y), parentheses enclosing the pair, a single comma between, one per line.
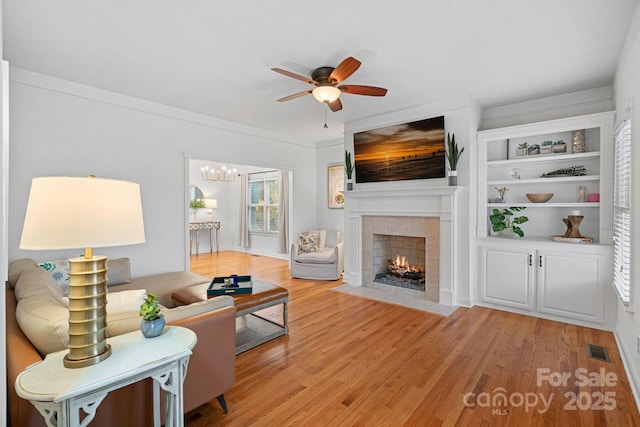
(196,227)
(61,394)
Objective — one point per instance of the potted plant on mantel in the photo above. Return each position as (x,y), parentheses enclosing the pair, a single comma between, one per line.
(152,320)
(453,156)
(501,221)
(349,168)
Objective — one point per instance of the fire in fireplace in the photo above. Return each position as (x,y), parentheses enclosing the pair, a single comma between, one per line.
(401,273)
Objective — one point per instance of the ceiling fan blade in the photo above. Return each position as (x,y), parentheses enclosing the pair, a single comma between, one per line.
(295,76)
(344,70)
(363,90)
(335,105)
(295,95)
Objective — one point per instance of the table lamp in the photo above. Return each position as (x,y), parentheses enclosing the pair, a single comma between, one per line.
(76,213)
(210,204)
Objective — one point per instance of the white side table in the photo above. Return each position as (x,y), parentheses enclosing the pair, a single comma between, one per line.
(60,393)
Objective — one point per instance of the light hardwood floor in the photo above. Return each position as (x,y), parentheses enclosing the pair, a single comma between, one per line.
(349,361)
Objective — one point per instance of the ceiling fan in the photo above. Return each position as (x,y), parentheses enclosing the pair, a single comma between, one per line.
(326,80)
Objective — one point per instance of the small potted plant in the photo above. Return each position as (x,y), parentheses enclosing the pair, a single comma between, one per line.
(349,168)
(546,147)
(453,156)
(523,149)
(503,223)
(559,147)
(501,192)
(534,149)
(152,320)
(196,205)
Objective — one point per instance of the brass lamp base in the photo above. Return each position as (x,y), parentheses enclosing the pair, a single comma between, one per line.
(87,311)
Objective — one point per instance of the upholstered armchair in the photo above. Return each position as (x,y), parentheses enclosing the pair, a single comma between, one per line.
(318,254)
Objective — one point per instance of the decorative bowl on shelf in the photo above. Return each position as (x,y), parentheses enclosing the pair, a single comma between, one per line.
(539,197)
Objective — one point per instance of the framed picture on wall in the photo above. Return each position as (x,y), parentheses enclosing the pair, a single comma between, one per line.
(336,187)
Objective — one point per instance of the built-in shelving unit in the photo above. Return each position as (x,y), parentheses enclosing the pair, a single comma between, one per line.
(534,274)
(499,165)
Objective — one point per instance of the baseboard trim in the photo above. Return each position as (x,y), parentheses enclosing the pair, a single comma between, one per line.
(634,381)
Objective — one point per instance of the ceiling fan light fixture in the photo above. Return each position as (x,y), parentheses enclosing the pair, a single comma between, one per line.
(326,94)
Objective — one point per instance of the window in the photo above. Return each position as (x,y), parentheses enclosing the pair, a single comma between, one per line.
(264,197)
(622,212)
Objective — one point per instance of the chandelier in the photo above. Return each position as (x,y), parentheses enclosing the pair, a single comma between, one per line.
(219,173)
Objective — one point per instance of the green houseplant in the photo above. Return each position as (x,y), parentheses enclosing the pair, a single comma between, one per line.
(349,168)
(196,205)
(152,319)
(453,156)
(502,221)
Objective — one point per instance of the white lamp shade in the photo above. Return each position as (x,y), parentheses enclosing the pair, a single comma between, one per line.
(326,94)
(71,213)
(211,203)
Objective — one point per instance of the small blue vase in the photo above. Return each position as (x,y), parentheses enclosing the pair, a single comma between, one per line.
(152,328)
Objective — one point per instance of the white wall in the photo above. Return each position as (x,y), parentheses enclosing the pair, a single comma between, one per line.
(627,94)
(4,206)
(62,128)
(329,153)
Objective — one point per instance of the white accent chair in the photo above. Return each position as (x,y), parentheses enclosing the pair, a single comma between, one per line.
(318,254)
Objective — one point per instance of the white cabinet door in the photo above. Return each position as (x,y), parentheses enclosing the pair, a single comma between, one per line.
(506,277)
(571,284)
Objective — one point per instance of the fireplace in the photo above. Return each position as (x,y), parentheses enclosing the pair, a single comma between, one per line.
(399,261)
(386,240)
(424,212)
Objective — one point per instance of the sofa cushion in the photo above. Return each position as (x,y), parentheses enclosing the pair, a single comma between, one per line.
(36,281)
(45,321)
(165,284)
(325,256)
(17,267)
(308,243)
(123,322)
(59,270)
(118,271)
(118,302)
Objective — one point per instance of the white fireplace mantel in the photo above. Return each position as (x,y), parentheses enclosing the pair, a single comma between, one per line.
(418,201)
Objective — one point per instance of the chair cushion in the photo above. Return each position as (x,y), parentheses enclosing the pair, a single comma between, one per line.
(333,237)
(308,243)
(326,256)
(323,236)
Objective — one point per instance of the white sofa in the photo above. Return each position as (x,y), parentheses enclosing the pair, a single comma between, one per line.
(318,254)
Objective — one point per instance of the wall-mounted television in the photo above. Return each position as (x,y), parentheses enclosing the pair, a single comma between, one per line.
(401,152)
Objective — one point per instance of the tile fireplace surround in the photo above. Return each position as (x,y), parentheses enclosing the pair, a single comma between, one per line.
(405,212)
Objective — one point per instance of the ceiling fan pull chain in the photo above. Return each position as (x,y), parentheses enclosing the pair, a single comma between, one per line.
(325,116)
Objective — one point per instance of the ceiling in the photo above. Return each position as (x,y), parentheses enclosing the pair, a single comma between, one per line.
(214,57)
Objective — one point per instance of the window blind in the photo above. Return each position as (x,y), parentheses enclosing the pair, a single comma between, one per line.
(622,212)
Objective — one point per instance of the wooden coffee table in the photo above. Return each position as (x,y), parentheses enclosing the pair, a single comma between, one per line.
(252,329)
